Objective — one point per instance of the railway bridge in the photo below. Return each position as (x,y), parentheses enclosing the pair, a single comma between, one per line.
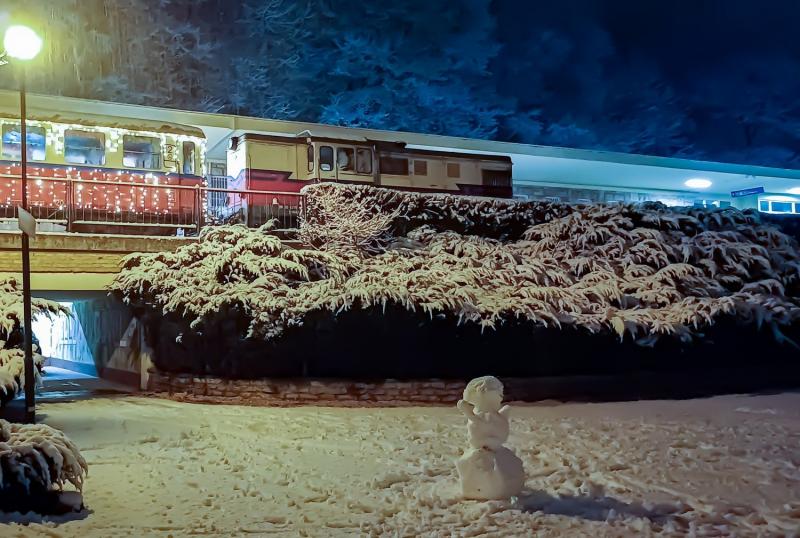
(75,262)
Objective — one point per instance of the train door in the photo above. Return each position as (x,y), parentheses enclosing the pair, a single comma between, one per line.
(327,162)
(345,163)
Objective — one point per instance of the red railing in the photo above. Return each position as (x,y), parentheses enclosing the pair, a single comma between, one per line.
(78,204)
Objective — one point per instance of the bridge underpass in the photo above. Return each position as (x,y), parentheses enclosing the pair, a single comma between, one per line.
(101,337)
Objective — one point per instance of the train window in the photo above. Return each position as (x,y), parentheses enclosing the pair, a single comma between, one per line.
(310,154)
(396,166)
(141,152)
(364,161)
(420,168)
(345,159)
(188,157)
(325,158)
(496,178)
(35,142)
(453,170)
(84,147)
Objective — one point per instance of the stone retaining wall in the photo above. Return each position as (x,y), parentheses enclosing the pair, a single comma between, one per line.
(392,393)
(283,392)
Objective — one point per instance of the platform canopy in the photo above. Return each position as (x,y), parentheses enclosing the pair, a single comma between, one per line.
(533,165)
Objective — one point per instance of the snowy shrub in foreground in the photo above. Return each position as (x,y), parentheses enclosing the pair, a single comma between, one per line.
(640,270)
(12,372)
(12,358)
(36,462)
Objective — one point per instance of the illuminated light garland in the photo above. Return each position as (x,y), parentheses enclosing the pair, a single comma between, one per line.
(44,193)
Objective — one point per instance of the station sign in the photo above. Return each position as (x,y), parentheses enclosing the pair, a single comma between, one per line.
(747,192)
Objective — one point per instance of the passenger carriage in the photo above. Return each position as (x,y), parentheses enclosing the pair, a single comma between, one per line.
(97,171)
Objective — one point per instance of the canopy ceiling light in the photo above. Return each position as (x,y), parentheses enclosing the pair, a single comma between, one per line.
(698,183)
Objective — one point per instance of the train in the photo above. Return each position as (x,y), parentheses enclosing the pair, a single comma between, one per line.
(287,163)
(93,172)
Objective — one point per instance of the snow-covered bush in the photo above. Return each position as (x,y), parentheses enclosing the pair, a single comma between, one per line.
(12,358)
(640,270)
(36,462)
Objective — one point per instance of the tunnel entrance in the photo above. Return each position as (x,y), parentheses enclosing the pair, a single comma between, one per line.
(99,339)
(62,342)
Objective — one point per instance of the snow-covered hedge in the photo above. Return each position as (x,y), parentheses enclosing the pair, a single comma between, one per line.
(12,370)
(36,462)
(487,217)
(640,271)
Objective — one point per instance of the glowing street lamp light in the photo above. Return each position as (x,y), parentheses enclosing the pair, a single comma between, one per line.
(22,44)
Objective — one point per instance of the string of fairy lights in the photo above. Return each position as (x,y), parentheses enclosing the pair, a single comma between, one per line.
(95,188)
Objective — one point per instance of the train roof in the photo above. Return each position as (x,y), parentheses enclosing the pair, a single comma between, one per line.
(94,120)
(398,147)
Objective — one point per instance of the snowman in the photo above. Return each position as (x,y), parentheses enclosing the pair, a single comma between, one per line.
(488,470)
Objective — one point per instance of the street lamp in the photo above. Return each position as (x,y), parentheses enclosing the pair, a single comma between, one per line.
(22,44)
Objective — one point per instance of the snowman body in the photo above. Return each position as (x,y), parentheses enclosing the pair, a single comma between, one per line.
(488,470)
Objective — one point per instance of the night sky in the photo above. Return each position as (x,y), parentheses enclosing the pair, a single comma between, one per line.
(707,79)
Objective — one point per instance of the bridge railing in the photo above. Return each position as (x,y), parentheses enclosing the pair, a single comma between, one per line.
(78,204)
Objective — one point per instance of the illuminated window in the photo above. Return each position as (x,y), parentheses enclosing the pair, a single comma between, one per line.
(395,166)
(141,152)
(325,158)
(188,157)
(782,207)
(35,142)
(420,168)
(84,147)
(364,161)
(779,206)
(310,155)
(453,170)
(345,159)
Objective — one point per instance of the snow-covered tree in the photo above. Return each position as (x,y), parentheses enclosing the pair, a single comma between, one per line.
(134,51)
(409,65)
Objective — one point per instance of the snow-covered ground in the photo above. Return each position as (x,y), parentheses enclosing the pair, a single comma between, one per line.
(722,466)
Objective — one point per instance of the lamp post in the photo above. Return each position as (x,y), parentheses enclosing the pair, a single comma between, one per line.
(22,44)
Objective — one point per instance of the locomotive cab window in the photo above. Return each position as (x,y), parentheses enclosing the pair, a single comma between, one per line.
(453,170)
(84,147)
(420,168)
(364,161)
(141,152)
(188,157)
(325,158)
(12,135)
(345,159)
(310,155)
(396,166)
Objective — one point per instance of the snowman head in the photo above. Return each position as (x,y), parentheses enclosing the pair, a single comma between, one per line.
(485,393)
